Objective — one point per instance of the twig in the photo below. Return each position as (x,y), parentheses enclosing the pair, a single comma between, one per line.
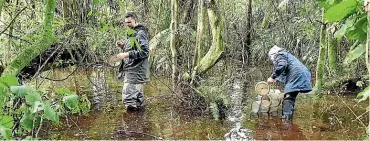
(38,130)
(172,91)
(46,61)
(13,20)
(124,131)
(75,124)
(12,36)
(349,108)
(69,74)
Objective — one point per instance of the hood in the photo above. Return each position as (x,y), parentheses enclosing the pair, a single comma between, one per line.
(273,51)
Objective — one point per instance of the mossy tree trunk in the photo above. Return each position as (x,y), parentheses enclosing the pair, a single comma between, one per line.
(322,56)
(173,42)
(39,47)
(2,2)
(199,47)
(217,48)
(367,46)
(333,53)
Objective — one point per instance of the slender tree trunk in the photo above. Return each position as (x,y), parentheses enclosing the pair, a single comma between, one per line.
(217,48)
(332,54)
(36,49)
(249,30)
(367,47)
(174,37)
(2,2)
(322,56)
(199,47)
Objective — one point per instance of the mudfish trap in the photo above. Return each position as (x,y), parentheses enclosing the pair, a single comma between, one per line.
(268,99)
(113,61)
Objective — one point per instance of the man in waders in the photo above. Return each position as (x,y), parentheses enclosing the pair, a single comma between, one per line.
(134,67)
(295,76)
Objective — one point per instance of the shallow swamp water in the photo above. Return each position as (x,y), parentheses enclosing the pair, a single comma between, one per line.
(323,117)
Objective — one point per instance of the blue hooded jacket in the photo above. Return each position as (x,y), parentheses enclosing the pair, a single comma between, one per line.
(290,71)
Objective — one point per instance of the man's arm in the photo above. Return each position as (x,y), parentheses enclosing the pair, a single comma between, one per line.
(142,53)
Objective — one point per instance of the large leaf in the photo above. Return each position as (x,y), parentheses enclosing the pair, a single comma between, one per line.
(28,138)
(98,1)
(6,133)
(9,80)
(350,22)
(50,114)
(71,101)
(37,106)
(6,121)
(359,30)
(355,53)
(64,91)
(327,3)
(22,90)
(364,94)
(340,10)
(27,121)
(32,97)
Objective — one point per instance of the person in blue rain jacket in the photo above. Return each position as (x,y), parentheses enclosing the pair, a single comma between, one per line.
(293,74)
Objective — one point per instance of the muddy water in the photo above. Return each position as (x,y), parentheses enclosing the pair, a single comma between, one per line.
(316,118)
(159,120)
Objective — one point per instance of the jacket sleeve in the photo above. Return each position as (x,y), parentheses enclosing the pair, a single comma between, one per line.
(280,64)
(142,38)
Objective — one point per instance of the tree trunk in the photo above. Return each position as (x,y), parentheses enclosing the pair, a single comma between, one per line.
(249,30)
(36,49)
(332,54)
(367,46)
(174,37)
(2,2)
(199,47)
(322,56)
(217,48)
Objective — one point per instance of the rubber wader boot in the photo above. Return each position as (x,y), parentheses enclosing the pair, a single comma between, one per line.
(288,107)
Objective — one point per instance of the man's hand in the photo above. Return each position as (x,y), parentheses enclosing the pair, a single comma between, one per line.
(270,80)
(120,44)
(122,55)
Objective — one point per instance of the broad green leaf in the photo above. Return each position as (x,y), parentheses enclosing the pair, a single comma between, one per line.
(64,91)
(71,101)
(327,3)
(50,114)
(340,10)
(95,2)
(28,138)
(32,97)
(364,94)
(22,90)
(6,121)
(131,31)
(355,53)
(104,28)
(69,32)
(356,34)
(342,31)
(3,89)
(9,80)
(37,106)
(27,121)
(6,133)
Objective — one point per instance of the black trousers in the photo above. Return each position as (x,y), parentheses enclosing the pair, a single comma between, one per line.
(288,105)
